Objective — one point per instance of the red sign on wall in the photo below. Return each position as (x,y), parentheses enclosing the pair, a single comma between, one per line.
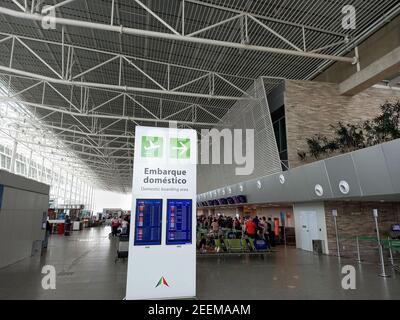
(276,229)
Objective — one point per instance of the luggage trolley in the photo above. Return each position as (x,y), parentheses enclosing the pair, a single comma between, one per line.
(122,247)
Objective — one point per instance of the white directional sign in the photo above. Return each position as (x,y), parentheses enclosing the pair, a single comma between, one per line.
(162,245)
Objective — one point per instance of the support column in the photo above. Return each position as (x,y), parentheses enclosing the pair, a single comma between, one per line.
(52,174)
(28,174)
(65,189)
(87,196)
(14,156)
(92,201)
(43,172)
(58,185)
(70,190)
(79,192)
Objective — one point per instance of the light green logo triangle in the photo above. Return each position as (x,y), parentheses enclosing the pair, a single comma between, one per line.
(180,148)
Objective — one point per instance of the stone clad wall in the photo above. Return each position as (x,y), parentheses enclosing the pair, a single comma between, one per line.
(311,107)
(356,219)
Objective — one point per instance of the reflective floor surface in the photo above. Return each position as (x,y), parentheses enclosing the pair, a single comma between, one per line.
(86,269)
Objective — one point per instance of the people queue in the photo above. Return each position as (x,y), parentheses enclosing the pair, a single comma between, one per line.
(253,228)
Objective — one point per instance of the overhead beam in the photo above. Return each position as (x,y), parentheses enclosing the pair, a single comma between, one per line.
(156,16)
(16,2)
(118,87)
(58,5)
(259,16)
(102,116)
(115,55)
(382,35)
(176,37)
(381,69)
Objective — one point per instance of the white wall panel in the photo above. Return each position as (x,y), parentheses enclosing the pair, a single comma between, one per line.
(20,220)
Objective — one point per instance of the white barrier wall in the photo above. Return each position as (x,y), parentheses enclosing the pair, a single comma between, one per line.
(22,205)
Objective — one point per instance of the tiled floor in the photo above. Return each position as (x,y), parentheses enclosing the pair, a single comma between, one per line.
(86,270)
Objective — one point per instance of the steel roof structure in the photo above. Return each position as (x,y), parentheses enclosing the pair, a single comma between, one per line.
(105,66)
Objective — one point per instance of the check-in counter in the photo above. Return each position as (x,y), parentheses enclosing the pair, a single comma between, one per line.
(77,225)
(57,226)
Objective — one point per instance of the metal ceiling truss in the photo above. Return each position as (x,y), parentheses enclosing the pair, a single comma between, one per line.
(68,75)
(174,35)
(83,110)
(79,170)
(102,71)
(26,134)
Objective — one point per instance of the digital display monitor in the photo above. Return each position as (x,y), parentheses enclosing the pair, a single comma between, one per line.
(148,222)
(210,203)
(240,199)
(223,201)
(179,222)
(396,227)
(230,200)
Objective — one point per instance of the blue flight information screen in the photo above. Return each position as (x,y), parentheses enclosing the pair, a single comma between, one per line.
(179,222)
(148,221)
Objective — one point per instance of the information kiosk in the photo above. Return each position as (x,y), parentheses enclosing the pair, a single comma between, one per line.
(162,247)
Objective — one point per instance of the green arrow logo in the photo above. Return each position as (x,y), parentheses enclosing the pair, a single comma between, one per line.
(180,148)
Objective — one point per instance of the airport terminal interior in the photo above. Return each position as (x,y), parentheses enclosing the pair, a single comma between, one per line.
(199,149)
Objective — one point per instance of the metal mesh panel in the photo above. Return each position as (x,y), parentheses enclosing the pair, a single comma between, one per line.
(251,114)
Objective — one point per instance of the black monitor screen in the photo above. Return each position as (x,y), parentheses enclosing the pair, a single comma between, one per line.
(396,227)
(148,221)
(236,199)
(179,222)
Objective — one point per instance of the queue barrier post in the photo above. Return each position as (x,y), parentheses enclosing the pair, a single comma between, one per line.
(334,214)
(358,250)
(383,271)
(390,252)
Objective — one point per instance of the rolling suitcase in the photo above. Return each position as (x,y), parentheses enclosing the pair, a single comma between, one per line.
(122,247)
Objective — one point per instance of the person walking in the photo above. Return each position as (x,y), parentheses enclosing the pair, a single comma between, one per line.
(47,234)
(271,232)
(114,226)
(251,229)
(68,224)
(264,225)
(124,226)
